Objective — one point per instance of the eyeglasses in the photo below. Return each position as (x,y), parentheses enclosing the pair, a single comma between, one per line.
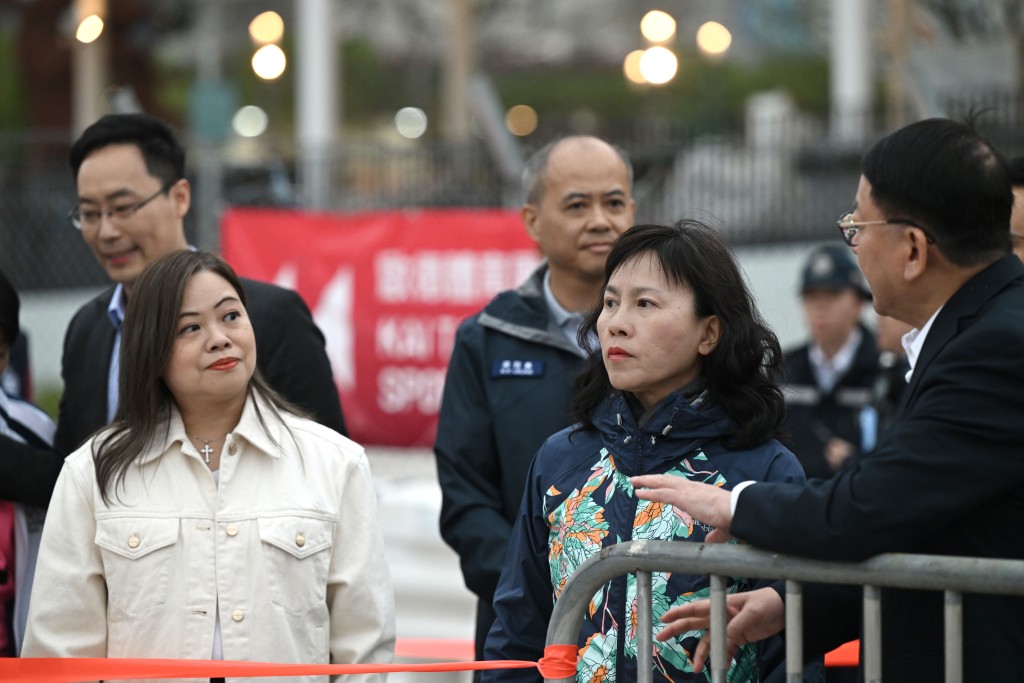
(850,228)
(90,218)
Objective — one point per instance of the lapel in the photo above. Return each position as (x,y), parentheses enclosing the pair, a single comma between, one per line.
(962,306)
(96,374)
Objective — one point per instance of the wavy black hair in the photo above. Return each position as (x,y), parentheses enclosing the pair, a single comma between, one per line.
(739,371)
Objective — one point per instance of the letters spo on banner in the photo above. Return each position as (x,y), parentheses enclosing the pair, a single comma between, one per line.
(388,290)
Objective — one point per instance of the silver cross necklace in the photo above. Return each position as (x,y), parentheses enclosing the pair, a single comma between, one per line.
(205,450)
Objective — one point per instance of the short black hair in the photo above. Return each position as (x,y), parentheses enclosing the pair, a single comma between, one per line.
(164,156)
(945,177)
(536,169)
(1016,168)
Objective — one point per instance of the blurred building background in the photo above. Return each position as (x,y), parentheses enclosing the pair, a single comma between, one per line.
(759,122)
(753,113)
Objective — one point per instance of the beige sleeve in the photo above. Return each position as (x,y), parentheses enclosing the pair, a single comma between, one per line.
(360,597)
(68,608)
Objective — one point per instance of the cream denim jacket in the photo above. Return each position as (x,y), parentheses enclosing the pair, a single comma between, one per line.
(287,548)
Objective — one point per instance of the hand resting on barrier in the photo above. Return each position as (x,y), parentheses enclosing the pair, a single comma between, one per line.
(753,616)
(703,502)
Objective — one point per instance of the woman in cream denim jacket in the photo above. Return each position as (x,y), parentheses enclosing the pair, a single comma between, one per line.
(240,530)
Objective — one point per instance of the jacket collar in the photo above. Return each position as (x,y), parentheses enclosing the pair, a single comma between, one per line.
(683,421)
(266,440)
(523,313)
(965,303)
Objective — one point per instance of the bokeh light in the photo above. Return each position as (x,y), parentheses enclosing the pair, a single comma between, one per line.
(267,27)
(657,26)
(411,122)
(631,67)
(269,62)
(658,65)
(250,121)
(521,119)
(713,38)
(90,29)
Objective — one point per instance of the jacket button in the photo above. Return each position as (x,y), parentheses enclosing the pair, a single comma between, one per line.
(300,540)
(232,530)
(133,541)
(238,615)
(232,448)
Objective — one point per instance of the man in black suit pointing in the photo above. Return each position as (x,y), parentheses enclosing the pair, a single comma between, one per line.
(930,228)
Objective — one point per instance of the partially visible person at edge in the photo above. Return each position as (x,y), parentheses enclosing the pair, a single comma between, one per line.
(132,200)
(210,520)
(1016,166)
(829,381)
(509,381)
(679,382)
(930,228)
(20,525)
(16,380)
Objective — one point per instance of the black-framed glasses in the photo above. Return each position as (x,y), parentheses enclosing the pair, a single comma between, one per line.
(850,228)
(90,218)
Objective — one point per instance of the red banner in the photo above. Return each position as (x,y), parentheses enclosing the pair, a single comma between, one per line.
(388,290)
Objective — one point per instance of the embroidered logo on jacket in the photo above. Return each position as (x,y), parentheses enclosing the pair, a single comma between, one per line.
(517,368)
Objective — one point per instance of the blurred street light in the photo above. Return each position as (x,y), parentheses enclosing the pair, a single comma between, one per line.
(89,29)
(267,27)
(269,62)
(658,26)
(521,120)
(411,122)
(90,63)
(631,67)
(658,65)
(713,38)
(250,121)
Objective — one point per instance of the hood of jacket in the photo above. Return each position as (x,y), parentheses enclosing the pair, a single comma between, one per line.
(677,425)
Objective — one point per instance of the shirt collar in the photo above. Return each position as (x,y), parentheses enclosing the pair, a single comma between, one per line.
(558,312)
(249,428)
(568,322)
(115,309)
(913,342)
(843,359)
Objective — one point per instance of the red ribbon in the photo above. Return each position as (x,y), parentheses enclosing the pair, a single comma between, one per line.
(46,670)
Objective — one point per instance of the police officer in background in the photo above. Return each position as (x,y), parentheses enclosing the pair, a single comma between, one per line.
(829,383)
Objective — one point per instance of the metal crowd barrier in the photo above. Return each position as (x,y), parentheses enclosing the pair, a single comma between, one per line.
(894,570)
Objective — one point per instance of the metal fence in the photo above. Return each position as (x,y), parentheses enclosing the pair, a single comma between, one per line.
(953,575)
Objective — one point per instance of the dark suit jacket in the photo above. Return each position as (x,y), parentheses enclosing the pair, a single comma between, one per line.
(290,354)
(948,478)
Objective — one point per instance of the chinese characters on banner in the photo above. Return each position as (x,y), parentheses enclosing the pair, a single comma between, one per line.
(388,290)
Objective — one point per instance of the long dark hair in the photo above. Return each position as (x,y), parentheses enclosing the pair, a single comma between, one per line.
(147,338)
(739,370)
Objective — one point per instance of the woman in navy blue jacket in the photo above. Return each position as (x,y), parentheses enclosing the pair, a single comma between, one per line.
(679,383)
